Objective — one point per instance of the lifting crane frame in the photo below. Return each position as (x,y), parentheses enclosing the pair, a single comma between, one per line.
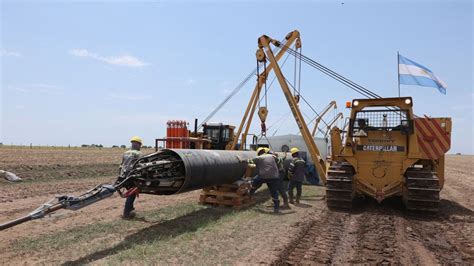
(320,117)
(263,53)
(254,99)
(330,124)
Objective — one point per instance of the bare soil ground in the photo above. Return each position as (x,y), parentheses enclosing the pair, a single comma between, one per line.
(375,234)
(176,230)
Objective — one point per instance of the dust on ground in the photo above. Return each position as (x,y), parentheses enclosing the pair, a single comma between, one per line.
(175,229)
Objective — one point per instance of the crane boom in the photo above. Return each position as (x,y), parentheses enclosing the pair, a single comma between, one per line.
(320,117)
(330,124)
(262,78)
(264,44)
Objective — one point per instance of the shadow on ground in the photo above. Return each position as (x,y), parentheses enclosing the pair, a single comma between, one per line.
(171,228)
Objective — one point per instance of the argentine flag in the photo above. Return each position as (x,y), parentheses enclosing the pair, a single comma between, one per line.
(412,73)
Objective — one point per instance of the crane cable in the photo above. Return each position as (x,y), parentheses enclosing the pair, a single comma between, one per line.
(299,84)
(345,81)
(236,90)
(310,106)
(227,99)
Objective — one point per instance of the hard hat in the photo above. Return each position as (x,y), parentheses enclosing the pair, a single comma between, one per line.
(136,139)
(294,150)
(267,150)
(261,149)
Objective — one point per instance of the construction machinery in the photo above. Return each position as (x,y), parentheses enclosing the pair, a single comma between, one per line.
(265,53)
(389,151)
(219,134)
(214,136)
(318,118)
(332,122)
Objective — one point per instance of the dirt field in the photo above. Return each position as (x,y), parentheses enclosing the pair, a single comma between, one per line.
(176,230)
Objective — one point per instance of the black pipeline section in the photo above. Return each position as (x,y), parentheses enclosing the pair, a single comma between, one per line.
(172,171)
(165,172)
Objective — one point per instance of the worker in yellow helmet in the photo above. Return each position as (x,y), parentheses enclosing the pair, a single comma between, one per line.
(296,174)
(128,159)
(282,190)
(267,172)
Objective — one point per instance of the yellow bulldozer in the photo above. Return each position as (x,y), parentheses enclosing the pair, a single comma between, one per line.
(386,151)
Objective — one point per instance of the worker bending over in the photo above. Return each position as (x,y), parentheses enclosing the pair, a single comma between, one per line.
(267,172)
(128,159)
(296,175)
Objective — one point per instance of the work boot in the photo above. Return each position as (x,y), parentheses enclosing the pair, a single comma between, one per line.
(297,200)
(129,215)
(276,210)
(286,206)
(292,201)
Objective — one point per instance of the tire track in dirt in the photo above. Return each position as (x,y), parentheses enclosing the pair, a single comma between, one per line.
(376,243)
(383,234)
(317,241)
(449,236)
(342,237)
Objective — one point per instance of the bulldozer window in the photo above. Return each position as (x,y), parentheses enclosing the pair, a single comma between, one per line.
(226,134)
(213,134)
(370,120)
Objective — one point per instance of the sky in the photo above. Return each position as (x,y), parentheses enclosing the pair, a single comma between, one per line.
(82,72)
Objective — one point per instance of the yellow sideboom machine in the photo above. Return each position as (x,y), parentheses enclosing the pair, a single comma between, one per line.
(387,151)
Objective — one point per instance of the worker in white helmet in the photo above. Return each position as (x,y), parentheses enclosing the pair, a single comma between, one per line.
(128,159)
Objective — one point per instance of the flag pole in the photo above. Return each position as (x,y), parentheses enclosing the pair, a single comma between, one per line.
(398,73)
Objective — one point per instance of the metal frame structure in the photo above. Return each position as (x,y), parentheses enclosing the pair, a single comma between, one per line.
(263,54)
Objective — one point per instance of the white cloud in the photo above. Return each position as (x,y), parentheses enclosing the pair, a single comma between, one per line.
(130,97)
(38,88)
(120,60)
(4,52)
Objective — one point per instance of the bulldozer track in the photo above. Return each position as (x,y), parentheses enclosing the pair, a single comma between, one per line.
(422,191)
(339,189)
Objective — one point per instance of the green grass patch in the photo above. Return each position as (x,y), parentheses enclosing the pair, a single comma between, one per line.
(186,233)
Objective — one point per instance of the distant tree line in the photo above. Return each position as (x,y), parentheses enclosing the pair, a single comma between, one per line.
(92,146)
(113,146)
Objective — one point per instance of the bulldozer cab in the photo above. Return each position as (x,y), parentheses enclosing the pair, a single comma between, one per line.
(380,128)
(381,125)
(219,134)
